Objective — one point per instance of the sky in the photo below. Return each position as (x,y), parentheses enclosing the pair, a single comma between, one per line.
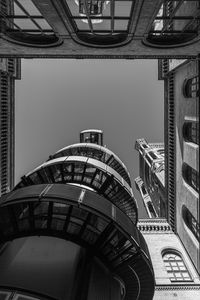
(56,99)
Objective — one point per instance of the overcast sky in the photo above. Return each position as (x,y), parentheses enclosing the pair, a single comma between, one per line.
(56,99)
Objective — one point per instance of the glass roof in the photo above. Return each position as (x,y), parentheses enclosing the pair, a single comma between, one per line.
(176,22)
(25,23)
(99,21)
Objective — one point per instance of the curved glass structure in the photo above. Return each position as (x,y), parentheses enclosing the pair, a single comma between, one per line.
(176,23)
(100,23)
(24,24)
(99,153)
(78,216)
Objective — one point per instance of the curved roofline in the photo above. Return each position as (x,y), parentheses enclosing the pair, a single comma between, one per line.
(91,130)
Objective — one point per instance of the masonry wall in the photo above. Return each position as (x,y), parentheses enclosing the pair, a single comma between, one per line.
(186,109)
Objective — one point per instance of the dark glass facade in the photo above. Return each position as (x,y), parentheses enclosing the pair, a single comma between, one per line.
(74,218)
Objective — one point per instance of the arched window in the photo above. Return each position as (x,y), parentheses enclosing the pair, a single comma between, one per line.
(190,222)
(175,266)
(191,176)
(191,132)
(191,87)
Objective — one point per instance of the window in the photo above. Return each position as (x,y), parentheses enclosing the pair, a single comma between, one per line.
(191,176)
(191,87)
(25,24)
(191,132)
(190,222)
(174,24)
(175,267)
(101,22)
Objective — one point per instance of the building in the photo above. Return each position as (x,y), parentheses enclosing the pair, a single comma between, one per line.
(173,241)
(182,154)
(9,72)
(68,230)
(99,28)
(175,274)
(151,182)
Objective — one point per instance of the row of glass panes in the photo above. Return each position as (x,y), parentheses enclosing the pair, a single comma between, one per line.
(27,17)
(175,267)
(104,26)
(82,173)
(71,220)
(122,8)
(175,18)
(96,154)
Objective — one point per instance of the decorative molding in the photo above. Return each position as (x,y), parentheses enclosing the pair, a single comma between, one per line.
(160,226)
(177,287)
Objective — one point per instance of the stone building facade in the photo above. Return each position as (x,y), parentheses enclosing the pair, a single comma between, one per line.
(174,241)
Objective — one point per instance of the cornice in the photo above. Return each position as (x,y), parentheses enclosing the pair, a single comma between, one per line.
(177,287)
(154,226)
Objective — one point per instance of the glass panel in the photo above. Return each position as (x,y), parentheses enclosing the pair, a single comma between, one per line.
(67,172)
(40,222)
(23,297)
(123,8)
(82,25)
(78,171)
(104,25)
(98,223)
(49,175)
(41,208)
(79,213)
(60,208)
(56,171)
(5,222)
(29,6)
(43,24)
(121,25)
(4,295)
(73,228)
(58,223)
(35,178)
(89,235)
(18,10)
(25,24)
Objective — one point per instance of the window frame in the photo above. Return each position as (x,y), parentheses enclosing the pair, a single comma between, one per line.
(191,222)
(191,87)
(174,266)
(191,177)
(190,132)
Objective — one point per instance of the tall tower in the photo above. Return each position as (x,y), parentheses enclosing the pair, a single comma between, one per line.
(68,230)
(151,182)
(9,72)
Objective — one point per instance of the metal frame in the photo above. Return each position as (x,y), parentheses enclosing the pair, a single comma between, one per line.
(171,31)
(21,33)
(88,172)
